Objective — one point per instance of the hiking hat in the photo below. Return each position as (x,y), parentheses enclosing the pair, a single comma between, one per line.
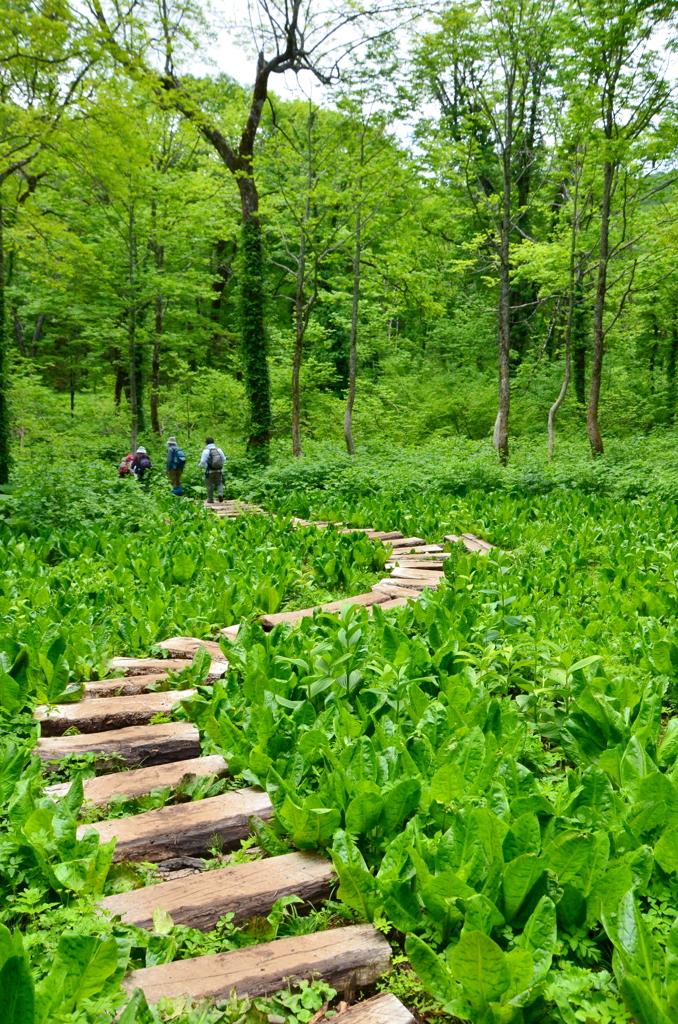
(171,440)
(142,451)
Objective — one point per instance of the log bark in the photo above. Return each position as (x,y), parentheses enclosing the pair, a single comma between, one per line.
(139,745)
(139,782)
(185,829)
(357,954)
(107,713)
(244,890)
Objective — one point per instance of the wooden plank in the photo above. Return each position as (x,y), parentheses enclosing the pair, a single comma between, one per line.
(391,589)
(358,953)
(406,542)
(187,646)
(147,666)
(405,573)
(394,602)
(230,632)
(394,535)
(121,686)
(383,1008)
(100,790)
(107,713)
(136,746)
(415,549)
(269,621)
(244,890)
(415,563)
(418,583)
(184,829)
(470,542)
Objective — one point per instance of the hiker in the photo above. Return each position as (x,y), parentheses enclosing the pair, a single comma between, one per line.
(213,459)
(140,463)
(125,467)
(176,460)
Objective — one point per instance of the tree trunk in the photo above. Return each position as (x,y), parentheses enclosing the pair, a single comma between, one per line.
(672,359)
(503,322)
(72,391)
(299,316)
(592,426)
(120,382)
(4,408)
(257,385)
(36,335)
(353,349)
(155,368)
(159,258)
(579,339)
(132,330)
(18,333)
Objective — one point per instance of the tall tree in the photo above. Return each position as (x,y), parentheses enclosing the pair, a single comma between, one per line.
(488,66)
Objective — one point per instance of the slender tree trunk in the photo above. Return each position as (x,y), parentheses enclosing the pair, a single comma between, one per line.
(159,258)
(592,426)
(501,425)
(579,340)
(671,361)
(299,317)
(132,329)
(18,333)
(155,366)
(5,458)
(36,335)
(72,390)
(257,385)
(119,381)
(353,349)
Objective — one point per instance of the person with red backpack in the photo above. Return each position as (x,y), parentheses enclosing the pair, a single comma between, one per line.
(213,461)
(124,469)
(176,461)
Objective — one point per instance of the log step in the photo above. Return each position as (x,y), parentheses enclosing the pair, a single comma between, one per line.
(415,549)
(393,590)
(136,746)
(358,954)
(101,790)
(184,829)
(107,713)
(121,686)
(414,563)
(188,646)
(406,573)
(471,542)
(383,535)
(245,890)
(269,621)
(406,542)
(146,666)
(384,1008)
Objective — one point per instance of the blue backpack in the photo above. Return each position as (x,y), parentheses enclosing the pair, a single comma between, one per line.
(177,459)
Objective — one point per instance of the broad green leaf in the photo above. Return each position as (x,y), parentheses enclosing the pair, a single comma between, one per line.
(642,1002)
(520,875)
(481,915)
(401,905)
(431,970)
(399,802)
(539,937)
(666,852)
(136,1011)
(364,810)
(17,992)
(87,963)
(479,965)
(357,887)
(448,783)
(524,836)
(566,856)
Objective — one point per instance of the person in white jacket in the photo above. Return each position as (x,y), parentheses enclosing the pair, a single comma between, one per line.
(213,461)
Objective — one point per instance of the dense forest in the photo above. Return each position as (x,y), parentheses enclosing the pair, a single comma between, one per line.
(461,223)
(385,731)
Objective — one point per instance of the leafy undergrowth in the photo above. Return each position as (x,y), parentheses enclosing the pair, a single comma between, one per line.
(492,770)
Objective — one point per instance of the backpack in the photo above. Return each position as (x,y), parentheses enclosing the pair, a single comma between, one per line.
(144,462)
(177,459)
(215,460)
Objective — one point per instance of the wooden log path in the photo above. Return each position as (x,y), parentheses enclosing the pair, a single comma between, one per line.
(113,719)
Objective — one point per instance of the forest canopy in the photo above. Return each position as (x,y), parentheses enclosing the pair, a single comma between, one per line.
(411,223)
